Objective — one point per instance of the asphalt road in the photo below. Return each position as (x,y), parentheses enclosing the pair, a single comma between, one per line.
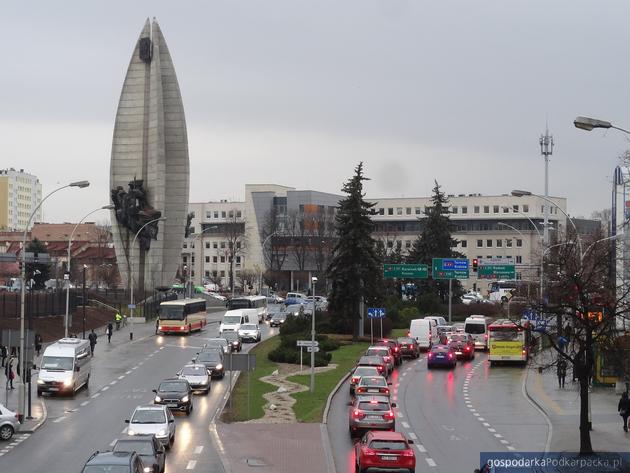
(122,378)
(452,415)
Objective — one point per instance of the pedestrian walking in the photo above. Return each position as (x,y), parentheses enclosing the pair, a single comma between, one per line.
(157,326)
(92,338)
(38,343)
(624,409)
(3,354)
(109,331)
(561,371)
(118,320)
(9,373)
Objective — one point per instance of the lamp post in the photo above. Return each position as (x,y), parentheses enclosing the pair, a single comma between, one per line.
(313,281)
(588,124)
(198,235)
(546,149)
(131,306)
(262,261)
(66,319)
(84,301)
(21,394)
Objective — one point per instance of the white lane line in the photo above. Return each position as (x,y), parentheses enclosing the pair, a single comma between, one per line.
(400,414)
(413,436)
(85,403)
(113,443)
(485,424)
(198,450)
(128,372)
(139,364)
(473,410)
(481,419)
(490,429)
(499,436)
(191,465)
(59,419)
(430,462)
(96,395)
(121,377)
(509,447)
(421,448)
(113,382)
(405,425)
(405,373)
(105,388)
(476,414)
(504,442)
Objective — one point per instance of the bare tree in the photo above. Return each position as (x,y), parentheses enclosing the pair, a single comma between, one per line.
(298,238)
(247,278)
(275,252)
(322,237)
(234,230)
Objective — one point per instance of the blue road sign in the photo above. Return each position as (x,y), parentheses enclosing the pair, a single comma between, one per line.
(376,313)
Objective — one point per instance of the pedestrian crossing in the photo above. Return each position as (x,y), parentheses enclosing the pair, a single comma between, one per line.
(11,444)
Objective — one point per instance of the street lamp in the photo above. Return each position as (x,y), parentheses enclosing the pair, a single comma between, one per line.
(21,396)
(313,281)
(588,124)
(195,236)
(131,306)
(262,261)
(66,319)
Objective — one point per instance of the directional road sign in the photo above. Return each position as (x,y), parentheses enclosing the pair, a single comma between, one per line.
(307,343)
(376,313)
(496,271)
(312,349)
(131,306)
(406,271)
(450,268)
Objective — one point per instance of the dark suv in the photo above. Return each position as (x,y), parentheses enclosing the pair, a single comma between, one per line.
(213,359)
(148,447)
(176,394)
(120,462)
(395,346)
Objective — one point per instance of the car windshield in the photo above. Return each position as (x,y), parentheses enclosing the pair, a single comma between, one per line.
(458,338)
(230,336)
(373,381)
(388,445)
(232,319)
(141,447)
(279,317)
(406,341)
(173,386)
(475,328)
(248,327)
(64,363)
(209,356)
(239,304)
(376,352)
(194,371)
(148,416)
(106,469)
(365,371)
(172,312)
(373,406)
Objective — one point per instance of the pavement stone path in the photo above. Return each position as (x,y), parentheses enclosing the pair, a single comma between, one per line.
(282,398)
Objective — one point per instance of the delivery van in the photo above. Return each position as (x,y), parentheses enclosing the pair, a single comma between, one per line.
(65,367)
(233,319)
(424,332)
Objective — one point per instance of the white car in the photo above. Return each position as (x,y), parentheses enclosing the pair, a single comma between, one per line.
(472,298)
(216,296)
(249,332)
(153,420)
(8,423)
(197,376)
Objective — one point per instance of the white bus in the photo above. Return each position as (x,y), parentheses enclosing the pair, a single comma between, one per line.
(501,291)
(250,302)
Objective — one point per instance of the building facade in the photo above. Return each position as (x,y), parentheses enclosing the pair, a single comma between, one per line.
(20,193)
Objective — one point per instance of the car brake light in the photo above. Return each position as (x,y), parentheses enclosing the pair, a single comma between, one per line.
(430,355)
(408,453)
(369,452)
(379,368)
(396,349)
(450,355)
(389,415)
(355,380)
(524,352)
(486,336)
(467,348)
(385,390)
(358,414)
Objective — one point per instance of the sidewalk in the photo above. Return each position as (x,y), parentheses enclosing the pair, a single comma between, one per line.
(562,406)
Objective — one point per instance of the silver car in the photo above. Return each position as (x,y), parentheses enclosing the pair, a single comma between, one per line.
(8,423)
(249,332)
(197,376)
(153,420)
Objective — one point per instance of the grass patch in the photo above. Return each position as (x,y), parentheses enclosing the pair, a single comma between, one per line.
(399,332)
(258,388)
(310,407)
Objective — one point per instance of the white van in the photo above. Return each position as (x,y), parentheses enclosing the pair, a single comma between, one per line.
(233,319)
(439,320)
(65,367)
(424,332)
(477,327)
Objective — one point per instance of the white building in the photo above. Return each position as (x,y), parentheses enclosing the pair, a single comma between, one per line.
(20,193)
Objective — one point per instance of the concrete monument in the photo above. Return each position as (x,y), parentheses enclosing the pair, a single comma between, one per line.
(149,173)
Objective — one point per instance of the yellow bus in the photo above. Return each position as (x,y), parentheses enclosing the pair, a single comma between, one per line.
(182,316)
(507,342)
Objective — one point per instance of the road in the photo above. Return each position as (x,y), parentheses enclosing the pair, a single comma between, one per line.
(122,378)
(452,415)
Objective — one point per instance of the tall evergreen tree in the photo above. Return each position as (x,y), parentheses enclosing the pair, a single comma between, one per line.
(355,268)
(435,241)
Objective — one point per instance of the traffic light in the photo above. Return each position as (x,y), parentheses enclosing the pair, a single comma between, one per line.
(475,264)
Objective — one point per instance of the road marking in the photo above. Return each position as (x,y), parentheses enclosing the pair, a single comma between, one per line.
(121,377)
(490,429)
(191,465)
(135,367)
(105,388)
(113,382)
(430,462)
(400,414)
(85,403)
(485,424)
(510,447)
(499,436)
(128,372)
(198,450)
(504,442)
(473,410)
(59,419)
(113,443)
(481,419)
(476,414)
(421,448)
(405,425)
(405,373)
(413,436)
(139,364)
(96,395)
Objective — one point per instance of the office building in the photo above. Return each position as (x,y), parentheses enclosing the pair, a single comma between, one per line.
(20,193)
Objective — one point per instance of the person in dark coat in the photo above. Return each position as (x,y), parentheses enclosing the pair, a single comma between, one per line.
(38,343)
(9,372)
(561,371)
(3,354)
(624,409)
(109,331)
(92,338)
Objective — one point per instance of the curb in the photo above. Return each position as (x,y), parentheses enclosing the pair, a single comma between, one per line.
(216,439)
(539,408)
(330,396)
(40,423)
(330,461)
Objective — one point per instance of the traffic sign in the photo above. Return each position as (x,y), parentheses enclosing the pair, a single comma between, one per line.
(496,271)
(307,343)
(407,271)
(131,306)
(8,258)
(312,349)
(450,268)
(376,312)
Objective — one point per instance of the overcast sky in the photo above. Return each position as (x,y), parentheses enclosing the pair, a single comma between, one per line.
(298,92)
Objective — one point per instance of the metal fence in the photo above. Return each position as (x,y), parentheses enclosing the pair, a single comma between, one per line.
(37,303)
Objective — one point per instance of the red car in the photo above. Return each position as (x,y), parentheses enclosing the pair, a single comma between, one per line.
(463,344)
(395,347)
(384,451)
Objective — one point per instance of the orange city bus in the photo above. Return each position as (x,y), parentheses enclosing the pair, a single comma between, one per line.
(182,316)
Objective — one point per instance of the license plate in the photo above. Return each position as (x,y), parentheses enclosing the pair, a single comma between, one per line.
(439,356)
(372,390)
(53,389)
(374,417)
(389,457)
(505,357)
(171,405)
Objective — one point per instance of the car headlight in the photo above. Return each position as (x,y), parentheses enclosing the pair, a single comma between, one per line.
(219,366)
(235,342)
(131,432)
(40,381)
(185,398)
(161,433)
(157,399)
(148,469)
(67,382)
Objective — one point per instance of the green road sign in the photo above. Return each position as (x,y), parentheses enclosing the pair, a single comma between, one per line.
(407,271)
(450,268)
(497,271)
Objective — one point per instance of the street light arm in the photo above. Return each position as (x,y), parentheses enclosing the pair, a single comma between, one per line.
(620,129)
(530,220)
(599,241)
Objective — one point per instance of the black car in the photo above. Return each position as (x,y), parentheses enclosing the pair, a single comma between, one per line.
(176,394)
(213,359)
(394,345)
(148,447)
(278,319)
(234,341)
(120,462)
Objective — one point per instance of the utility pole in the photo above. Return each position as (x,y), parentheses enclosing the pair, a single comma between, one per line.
(546,150)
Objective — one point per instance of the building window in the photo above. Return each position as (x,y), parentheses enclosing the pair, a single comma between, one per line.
(238,245)
(185,245)
(519,259)
(215,245)
(222,274)
(515,208)
(464,243)
(408,210)
(390,244)
(390,211)
(484,226)
(207,259)
(381,211)
(508,242)
(185,259)
(476,209)
(398,210)
(479,243)
(498,256)
(399,244)
(418,211)
(509,256)
(238,214)
(207,245)
(222,259)
(238,259)
(506,210)
(223,214)
(207,274)
(499,243)
(216,215)
(464,209)
(495,209)
(208,214)
(519,243)
(222,244)
(193,259)
(231,214)
(489,243)
(408,244)
(215,259)
(454,210)
(525,208)
(486,209)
